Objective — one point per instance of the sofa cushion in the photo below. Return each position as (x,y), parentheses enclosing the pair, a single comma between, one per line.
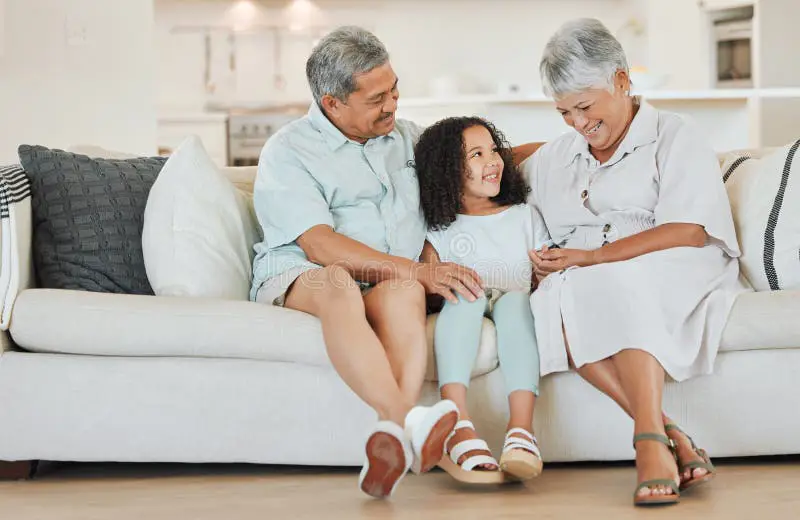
(153,326)
(87,219)
(765,200)
(198,231)
(763,320)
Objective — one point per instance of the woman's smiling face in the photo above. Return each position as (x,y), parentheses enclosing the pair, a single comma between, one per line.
(600,116)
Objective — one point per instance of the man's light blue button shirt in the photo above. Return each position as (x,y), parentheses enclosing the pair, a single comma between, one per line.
(309,174)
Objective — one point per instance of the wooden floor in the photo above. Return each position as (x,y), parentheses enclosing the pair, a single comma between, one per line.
(759,489)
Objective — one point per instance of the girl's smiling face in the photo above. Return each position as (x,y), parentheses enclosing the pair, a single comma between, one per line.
(483,164)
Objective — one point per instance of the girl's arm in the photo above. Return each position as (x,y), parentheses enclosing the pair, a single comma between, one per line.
(433,302)
(429,254)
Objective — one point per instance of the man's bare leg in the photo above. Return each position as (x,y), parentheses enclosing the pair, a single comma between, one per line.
(396,312)
(357,354)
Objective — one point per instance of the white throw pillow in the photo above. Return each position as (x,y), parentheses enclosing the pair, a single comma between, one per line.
(198,234)
(765,200)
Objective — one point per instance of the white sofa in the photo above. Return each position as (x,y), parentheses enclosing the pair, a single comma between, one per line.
(105,377)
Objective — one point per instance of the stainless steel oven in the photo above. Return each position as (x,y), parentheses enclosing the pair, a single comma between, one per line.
(733,48)
(248,131)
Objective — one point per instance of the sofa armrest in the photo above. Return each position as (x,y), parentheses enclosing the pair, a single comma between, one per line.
(18,270)
(6,344)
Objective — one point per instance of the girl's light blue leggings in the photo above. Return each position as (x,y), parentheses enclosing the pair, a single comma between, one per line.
(458,334)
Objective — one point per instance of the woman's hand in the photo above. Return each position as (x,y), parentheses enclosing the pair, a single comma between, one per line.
(549,261)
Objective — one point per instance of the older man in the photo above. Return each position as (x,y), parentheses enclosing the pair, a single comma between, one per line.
(339,205)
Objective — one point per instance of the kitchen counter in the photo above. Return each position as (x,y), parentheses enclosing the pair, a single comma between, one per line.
(730,118)
(190,117)
(665,95)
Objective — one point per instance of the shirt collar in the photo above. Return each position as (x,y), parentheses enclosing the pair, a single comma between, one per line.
(643,130)
(332,135)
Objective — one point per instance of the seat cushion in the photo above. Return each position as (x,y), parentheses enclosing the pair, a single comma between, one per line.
(763,321)
(101,324)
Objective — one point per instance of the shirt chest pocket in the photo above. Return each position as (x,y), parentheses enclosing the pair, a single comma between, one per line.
(407,231)
(406,192)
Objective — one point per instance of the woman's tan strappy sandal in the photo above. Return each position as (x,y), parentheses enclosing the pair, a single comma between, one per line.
(652,499)
(705,464)
(468,472)
(521,458)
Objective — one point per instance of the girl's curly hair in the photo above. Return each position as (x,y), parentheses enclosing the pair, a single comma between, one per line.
(440,160)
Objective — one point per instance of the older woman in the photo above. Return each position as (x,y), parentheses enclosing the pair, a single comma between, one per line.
(643,271)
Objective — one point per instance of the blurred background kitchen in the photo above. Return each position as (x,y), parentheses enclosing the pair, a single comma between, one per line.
(232,71)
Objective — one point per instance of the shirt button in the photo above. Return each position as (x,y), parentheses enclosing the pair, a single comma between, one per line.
(605,242)
(606,228)
(584,194)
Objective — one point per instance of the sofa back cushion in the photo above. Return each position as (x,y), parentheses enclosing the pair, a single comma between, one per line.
(764,192)
(198,229)
(87,219)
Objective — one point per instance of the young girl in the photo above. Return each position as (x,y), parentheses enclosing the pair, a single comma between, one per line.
(474,199)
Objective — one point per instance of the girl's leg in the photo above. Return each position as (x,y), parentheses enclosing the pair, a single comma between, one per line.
(456,341)
(519,356)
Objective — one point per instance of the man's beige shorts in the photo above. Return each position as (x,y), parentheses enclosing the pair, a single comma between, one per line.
(273,290)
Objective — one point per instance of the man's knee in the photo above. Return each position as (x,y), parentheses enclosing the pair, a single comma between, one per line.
(332,283)
(405,292)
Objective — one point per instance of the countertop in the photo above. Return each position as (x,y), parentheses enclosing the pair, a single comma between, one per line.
(656,95)
(221,114)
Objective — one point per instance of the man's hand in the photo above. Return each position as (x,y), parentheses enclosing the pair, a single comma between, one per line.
(447,278)
(549,261)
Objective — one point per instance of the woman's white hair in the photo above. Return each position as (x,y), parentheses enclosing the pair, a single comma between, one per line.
(581,55)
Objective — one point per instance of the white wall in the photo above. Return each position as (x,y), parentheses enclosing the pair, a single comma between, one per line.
(483,43)
(100,90)
(678,43)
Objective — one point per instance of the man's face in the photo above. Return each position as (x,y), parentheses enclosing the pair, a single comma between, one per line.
(369,111)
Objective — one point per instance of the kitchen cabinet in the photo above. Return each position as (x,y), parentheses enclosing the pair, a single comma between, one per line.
(680,41)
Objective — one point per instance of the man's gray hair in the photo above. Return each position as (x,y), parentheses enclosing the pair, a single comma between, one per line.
(339,57)
(582,54)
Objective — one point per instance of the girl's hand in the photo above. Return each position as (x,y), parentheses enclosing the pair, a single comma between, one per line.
(549,261)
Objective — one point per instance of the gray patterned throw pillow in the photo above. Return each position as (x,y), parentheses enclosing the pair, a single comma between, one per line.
(87,219)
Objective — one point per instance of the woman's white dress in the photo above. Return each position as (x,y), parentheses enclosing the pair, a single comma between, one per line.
(673,303)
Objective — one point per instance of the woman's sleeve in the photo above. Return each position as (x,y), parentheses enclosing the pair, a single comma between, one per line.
(690,187)
(531,170)
(539,230)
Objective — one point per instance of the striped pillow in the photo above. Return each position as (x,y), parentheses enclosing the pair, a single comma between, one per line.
(765,199)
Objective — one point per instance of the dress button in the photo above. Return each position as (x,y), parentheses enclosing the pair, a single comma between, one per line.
(584,194)
(606,228)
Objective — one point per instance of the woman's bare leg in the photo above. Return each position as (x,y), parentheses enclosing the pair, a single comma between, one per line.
(603,376)
(642,380)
